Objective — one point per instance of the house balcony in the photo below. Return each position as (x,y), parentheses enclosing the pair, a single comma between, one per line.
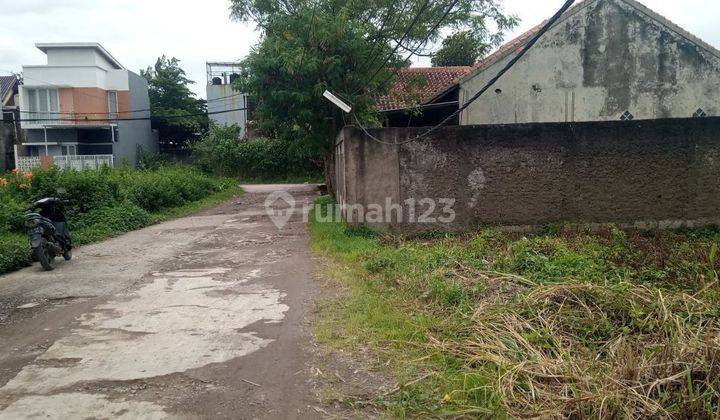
(34,120)
(68,141)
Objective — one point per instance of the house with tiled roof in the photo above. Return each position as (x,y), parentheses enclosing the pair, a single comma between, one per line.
(10,114)
(602,60)
(422,96)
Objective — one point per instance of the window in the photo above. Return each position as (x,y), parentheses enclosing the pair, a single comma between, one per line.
(113,104)
(69,150)
(43,104)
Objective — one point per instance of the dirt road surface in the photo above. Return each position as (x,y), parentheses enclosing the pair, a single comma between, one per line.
(200,317)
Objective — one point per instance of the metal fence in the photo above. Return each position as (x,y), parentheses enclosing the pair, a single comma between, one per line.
(79,162)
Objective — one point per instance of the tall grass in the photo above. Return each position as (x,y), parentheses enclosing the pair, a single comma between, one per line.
(568,323)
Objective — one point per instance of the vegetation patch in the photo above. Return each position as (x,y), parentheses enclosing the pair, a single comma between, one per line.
(222,153)
(105,202)
(565,323)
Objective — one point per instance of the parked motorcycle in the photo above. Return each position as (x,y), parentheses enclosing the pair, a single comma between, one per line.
(48,232)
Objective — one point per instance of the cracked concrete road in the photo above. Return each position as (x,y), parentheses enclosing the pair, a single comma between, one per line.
(200,317)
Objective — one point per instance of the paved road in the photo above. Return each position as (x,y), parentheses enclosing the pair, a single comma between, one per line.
(198,317)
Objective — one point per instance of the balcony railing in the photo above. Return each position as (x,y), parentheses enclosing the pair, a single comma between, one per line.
(78,162)
(30,120)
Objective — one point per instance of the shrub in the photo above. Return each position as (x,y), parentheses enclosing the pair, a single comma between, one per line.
(153,194)
(108,221)
(149,160)
(167,187)
(11,213)
(86,190)
(222,153)
(13,252)
(103,202)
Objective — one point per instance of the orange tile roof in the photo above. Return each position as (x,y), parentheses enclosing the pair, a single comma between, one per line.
(417,85)
(408,89)
(441,79)
(507,48)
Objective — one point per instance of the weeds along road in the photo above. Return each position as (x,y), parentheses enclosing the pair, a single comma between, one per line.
(203,316)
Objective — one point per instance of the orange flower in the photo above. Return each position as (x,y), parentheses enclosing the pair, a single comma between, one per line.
(22,186)
(3,182)
(15,171)
(28,175)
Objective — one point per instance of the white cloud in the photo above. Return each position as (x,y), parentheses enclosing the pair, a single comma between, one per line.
(136,32)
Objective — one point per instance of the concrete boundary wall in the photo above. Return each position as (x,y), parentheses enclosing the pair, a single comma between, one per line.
(649,173)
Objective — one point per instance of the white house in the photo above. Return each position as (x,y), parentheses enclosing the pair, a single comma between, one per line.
(603,60)
(83,108)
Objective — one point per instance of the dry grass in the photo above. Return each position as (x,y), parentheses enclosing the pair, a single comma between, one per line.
(669,366)
(562,324)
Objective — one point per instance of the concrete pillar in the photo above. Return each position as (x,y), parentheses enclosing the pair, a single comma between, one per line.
(46,141)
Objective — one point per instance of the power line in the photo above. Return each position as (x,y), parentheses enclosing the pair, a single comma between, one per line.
(389,56)
(427,38)
(84,113)
(132,111)
(222,98)
(487,86)
(132,119)
(89,95)
(100,97)
(378,37)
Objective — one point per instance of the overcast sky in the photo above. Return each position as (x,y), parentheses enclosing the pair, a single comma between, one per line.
(136,32)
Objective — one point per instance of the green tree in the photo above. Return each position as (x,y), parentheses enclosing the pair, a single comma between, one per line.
(460,49)
(177,114)
(349,47)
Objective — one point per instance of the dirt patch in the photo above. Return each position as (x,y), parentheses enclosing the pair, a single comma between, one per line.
(346,383)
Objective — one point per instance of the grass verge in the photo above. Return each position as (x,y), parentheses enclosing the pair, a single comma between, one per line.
(108,222)
(611,324)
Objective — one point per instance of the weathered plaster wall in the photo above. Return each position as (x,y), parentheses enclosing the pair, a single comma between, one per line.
(365,171)
(650,173)
(606,58)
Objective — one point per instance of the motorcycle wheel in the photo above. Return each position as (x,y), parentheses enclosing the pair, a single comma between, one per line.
(67,255)
(42,254)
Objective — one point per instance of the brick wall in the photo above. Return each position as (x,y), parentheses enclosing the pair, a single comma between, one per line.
(648,173)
